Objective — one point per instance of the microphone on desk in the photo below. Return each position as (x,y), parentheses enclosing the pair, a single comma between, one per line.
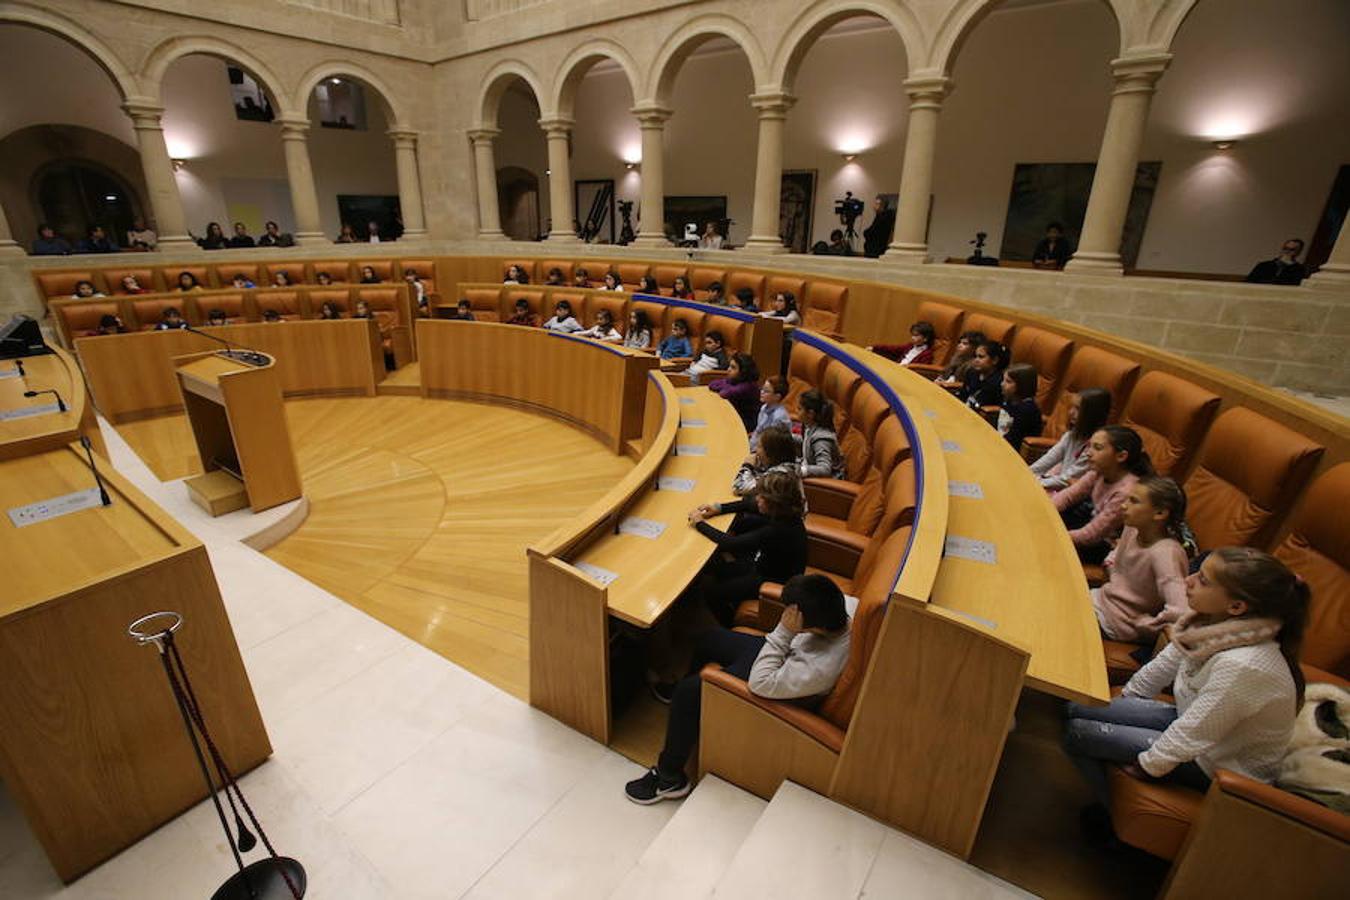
(98,479)
(60,404)
(18,364)
(252,357)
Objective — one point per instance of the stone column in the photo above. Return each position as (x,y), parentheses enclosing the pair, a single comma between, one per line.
(8,246)
(166,206)
(1335,272)
(485,167)
(910,242)
(409,183)
(1099,245)
(558,131)
(652,120)
(304,198)
(773,107)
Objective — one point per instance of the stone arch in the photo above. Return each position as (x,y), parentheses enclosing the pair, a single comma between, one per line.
(959,21)
(23,14)
(495,83)
(1161,28)
(395,113)
(575,67)
(174,49)
(819,17)
(687,39)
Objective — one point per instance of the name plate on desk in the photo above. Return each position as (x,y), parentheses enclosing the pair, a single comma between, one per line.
(671,483)
(54,507)
(9,373)
(604,576)
(969,489)
(29,411)
(951,446)
(690,450)
(687,401)
(970,548)
(693,423)
(648,528)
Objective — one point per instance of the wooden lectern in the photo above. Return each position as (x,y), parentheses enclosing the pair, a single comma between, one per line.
(240,426)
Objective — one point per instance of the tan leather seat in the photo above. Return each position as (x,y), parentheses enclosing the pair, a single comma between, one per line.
(777,284)
(1049,354)
(171,273)
(81,319)
(225,273)
(665,277)
(485,304)
(566,268)
(339,297)
(737,280)
(946,321)
(149,313)
(286,303)
(1171,416)
(56,285)
(824,309)
(528,265)
(631,274)
(992,327)
(144,275)
(865,503)
(805,368)
(426,271)
(701,277)
(617,304)
(536,299)
(656,315)
(295,271)
(1089,367)
(1318,548)
(232,305)
(339,270)
(384,304)
(383,269)
(1250,470)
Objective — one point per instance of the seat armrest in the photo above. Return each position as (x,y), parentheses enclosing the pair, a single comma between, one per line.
(990,413)
(1095,574)
(838,557)
(821,730)
(678,379)
(770,606)
(831,497)
(927,370)
(1310,813)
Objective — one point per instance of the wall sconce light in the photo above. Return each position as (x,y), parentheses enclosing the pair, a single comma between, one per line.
(631,165)
(548,171)
(178,164)
(1224,143)
(849,157)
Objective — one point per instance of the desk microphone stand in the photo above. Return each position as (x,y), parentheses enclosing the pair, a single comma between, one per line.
(273,878)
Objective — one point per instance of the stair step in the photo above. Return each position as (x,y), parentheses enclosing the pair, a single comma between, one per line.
(803,846)
(218,492)
(696,846)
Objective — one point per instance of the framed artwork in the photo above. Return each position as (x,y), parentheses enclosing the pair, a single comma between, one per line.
(697,211)
(796,201)
(594,204)
(1058,192)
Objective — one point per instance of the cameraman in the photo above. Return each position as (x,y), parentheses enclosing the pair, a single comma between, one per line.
(838,246)
(877,236)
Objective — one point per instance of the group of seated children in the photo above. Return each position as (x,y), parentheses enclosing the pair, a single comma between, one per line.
(187,281)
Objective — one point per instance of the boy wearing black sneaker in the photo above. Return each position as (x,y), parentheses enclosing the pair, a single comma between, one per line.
(799,660)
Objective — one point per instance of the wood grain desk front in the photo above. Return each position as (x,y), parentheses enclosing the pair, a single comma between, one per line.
(56,371)
(91,743)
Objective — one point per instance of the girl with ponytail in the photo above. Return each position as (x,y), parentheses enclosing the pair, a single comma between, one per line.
(1146,586)
(1091,506)
(1232,666)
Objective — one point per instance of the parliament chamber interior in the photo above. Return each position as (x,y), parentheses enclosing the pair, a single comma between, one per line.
(539,448)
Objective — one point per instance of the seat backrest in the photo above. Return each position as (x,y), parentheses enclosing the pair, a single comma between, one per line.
(946,321)
(340,270)
(527,265)
(295,271)
(170,275)
(425,269)
(898,499)
(838,383)
(145,277)
(1171,416)
(380,299)
(737,280)
(232,305)
(285,303)
(873,595)
(1093,367)
(536,299)
(149,313)
(735,332)
(697,320)
(1049,353)
(992,327)
(656,315)
(701,277)
(485,303)
(81,318)
(562,265)
(865,513)
(225,273)
(62,284)
(383,269)
(665,276)
(776,284)
(805,368)
(336,296)
(1250,470)
(630,274)
(824,307)
(867,411)
(1318,548)
(890,446)
(589,306)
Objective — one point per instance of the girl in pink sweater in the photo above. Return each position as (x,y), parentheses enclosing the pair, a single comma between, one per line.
(1091,506)
(1147,569)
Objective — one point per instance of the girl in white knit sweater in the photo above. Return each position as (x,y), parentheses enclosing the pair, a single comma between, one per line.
(1232,666)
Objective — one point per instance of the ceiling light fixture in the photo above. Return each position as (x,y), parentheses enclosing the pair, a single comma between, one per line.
(1224,143)
(178,164)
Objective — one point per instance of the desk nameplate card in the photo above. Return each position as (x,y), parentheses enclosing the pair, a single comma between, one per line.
(671,483)
(604,576)
(29,411)
(690,450)
(951,446)
(969,489)
(693,423)
(9,373)
(970,548)
(647,528)
(687,401)
(54,507)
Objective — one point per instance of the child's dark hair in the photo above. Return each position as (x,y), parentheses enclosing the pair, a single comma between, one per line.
(819,600)
(464,301)
(641,321)
(522,303)
(581,273)
(777,443)
(789,300)
(647,284)
(973,338)
(682,323)
(1024,378)
(1164,493)
(714,287)
(820,407)
(1094,408)
(746,296)
(614,273)
(1126,440)
(563,304)
(748,368)
(1271,590)
(714,335)
(778,384)
(997,352)
(107,320)
(925,330)
(555,271)
(604,311)
(782,494)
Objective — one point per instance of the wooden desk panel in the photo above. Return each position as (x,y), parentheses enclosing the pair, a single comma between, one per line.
(54,371)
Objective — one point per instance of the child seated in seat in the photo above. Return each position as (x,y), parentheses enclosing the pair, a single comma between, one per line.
(745,300)
(741,388)
(714,356)
(170,320)
(464,311)
(329,310)
(216,317)
(777,452)
(240,280)
(717,295)
(918,351)
(1067,460)
(581,278)
(639,335)
(801,659)
(771,410)
(821,456)
(680,289)
(1146,586)
(962,358)
(110,324)
(84,290)
(647,285)
(1233,668)
(612,282)
(324,279)
(784,307)
(1091,506)
(516,275)
(271,315)
(363,310)
(1019,417)
(984,379)
(554,277)
(603,330)
(676,344)
(418,290)
(523,315)
(563,319)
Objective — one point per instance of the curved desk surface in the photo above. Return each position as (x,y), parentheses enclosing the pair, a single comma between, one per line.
(27,434)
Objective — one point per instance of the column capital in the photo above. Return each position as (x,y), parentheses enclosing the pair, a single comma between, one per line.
(1140,72)
(483,135)
(144,113)
(772,104)
(557,126)
(927,91)
(403,138)
(651,115)
(293,128)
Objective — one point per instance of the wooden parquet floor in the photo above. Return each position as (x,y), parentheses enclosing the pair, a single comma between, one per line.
(421,510)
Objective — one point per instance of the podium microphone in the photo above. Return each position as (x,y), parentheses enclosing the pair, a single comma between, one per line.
(251,357)
(98,479)
(18,365)
(60,404)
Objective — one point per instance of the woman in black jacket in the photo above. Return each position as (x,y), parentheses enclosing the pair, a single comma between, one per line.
(773,548)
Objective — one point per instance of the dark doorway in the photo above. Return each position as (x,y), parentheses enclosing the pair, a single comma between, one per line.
(796,200)
(75,194)
(518,198)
